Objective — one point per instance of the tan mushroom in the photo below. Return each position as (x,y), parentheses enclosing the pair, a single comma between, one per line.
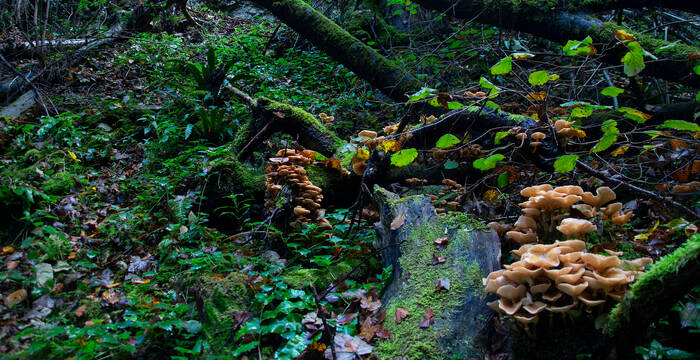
(538,136)
(603,195)
(572,226)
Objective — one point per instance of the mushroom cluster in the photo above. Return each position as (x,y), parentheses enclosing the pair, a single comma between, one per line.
(565,131)
(442,202)
(548,207)
(559,278)
(327,119)
(286,171)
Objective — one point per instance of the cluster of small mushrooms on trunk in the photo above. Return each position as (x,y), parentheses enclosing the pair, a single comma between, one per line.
(561,276)
(287,172)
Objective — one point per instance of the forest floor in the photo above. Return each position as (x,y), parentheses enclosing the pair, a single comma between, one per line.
(113,247)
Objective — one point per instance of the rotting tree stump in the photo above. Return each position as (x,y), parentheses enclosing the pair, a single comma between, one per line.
(463,321)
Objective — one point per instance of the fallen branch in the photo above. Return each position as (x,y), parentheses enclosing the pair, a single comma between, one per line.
(28,82)
(587,168)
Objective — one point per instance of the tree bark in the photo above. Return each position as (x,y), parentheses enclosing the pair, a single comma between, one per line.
(379,71)
(562,24)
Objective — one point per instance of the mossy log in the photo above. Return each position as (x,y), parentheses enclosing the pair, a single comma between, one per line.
(653,295)
(562,21)
(462,318)
(271,116)
(367,63)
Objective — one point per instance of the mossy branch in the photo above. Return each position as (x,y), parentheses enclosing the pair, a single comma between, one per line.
(654,293)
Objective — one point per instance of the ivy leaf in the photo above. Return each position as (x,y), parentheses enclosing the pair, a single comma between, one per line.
(490,86)
(488,163)
(696,69)
(565,163)
(449,165)
(635,114)
(538,78)
(504,66)
(446,141)
(390,145)
(404,157)
(681,125)
(500,135)
(633,59)
(422,94)
(583,47)
(493,105)
(522,56)
(612,91)
(454,105)
(581,112)
(503,180)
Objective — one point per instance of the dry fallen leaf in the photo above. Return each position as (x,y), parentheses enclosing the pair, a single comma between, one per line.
(346,318)
(442,284)
(80,310)
(15,297)
(398,222)
(428,319)
(437,260)
(400,314)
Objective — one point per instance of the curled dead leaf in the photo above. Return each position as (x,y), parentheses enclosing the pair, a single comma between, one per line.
(400,314)
(398,222)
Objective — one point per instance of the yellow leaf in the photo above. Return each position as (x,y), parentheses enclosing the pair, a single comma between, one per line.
(580,133)
(619,151)
(537,96)
(72,156)
(624,35)
(362,154)
(390,145)
(7,250)
(490,196)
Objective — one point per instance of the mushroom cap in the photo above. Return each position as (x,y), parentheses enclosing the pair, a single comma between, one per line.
(535,144)
(571,257)
(525,319)
(612,209)
(532,212)
(368,133)
(511,292)
(522,238)
(509,307)
(540,288)
(535,307)
(561,124)
(572,226)
(622,218)
(546,260)
(552,295)
(598,263)
(521,136)
(498,227)
(554,274)
(612,277)
(535,190)
(571,278)
(572,290)
(577,245)
(589,301)
(301,211)
(563,308)
(538,136)
(603,195)
(525,222)
(585,209)
(569,190)
(523,249)
(494,305)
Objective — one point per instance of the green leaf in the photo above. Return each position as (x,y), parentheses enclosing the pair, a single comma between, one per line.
(538,78)
(635,114)
(500,135)
(454,105)
(681,125)
(446,141)
(493,105)
(565,163)
(633,59)
(449,165)
(422,94)
(696,68)
(605,142)
(581,112)
(404,157)
(575,47)
(504,66)
(502,180)
(697,97)
(489,86)
(488,163)
(612,91)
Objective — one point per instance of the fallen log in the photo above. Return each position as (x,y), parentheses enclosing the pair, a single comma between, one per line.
(562,23)
(461,320)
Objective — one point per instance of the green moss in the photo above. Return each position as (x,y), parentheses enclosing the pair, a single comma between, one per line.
(300,278)
(364,24)
(418,293)
(679,51)
(60,183)
(646,292)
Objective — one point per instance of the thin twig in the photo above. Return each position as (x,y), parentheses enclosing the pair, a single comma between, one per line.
(29,82)
(322,315)
(637,189)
